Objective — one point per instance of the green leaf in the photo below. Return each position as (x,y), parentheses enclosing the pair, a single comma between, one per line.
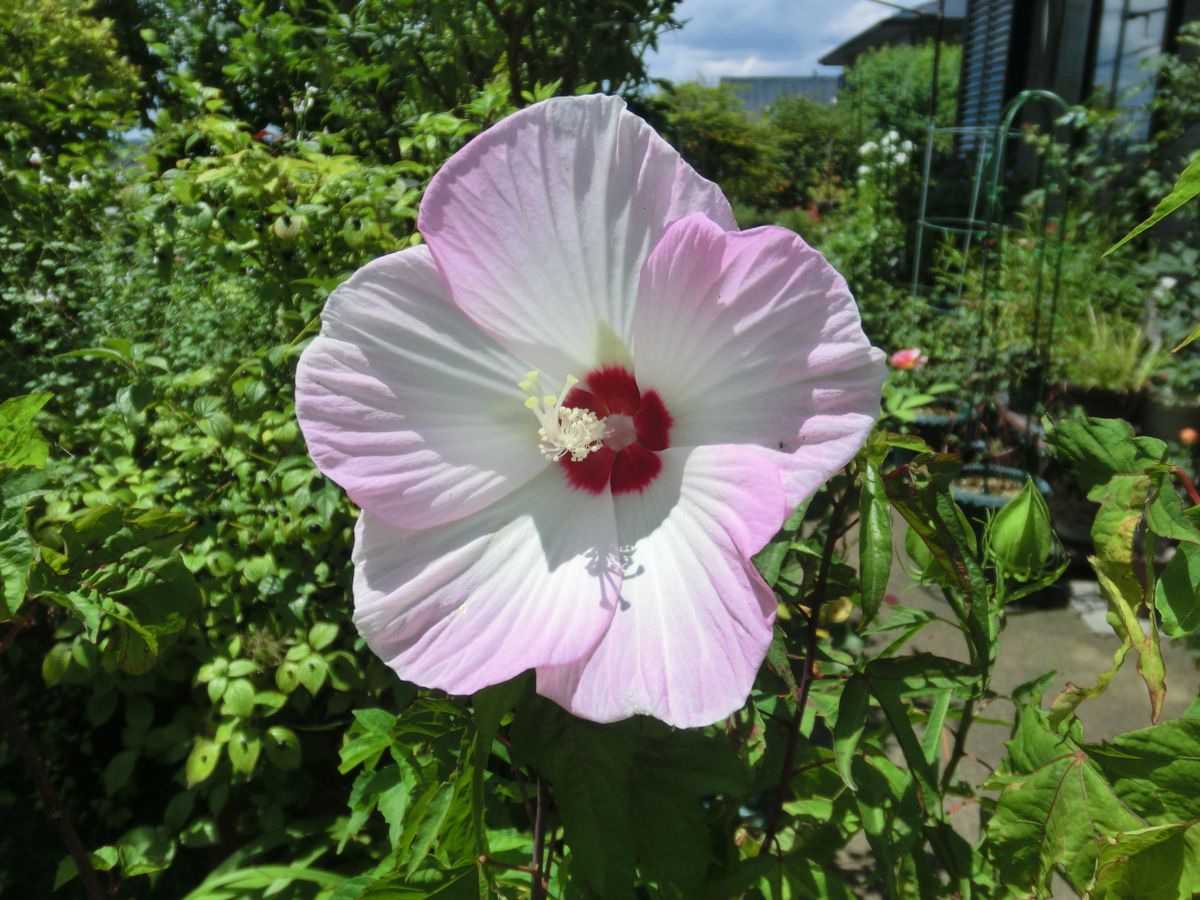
(589,766)
(312,671)
(239,698)
(80,605)
(1166,517)
(848,730)
(1156,770)
(240,668)
(282,747)
(202,761)
(1098,449)
(491,705)
(875,541)
(1177,592)
(287,676)
(163,595)
(56,663)
(889,813)
(322,634)
(457,884)
(1115,533)
(1073,695)
(1054,817)
(769,560)
(119,770)
(433,816)
(1186,187)
(1161,862)
(244,748)
(16,559)
(20,442)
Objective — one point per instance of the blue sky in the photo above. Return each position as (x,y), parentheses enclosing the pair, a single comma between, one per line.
(759,37)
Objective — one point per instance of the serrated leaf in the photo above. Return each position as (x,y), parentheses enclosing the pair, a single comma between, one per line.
(1156,770)
(1157,863)
(1098,449)
(457,884)
(1177,592)
(1054,816)
(16,558)
(20,442)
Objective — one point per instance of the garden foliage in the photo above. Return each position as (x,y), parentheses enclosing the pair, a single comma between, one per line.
(175,644)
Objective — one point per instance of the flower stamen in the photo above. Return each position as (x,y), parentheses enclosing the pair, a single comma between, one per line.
(565,429)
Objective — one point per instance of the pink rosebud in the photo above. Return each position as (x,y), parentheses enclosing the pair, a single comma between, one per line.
(909,358)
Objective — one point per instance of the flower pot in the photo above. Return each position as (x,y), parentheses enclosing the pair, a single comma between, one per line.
(1165,419)
(936,424)
(984,487)
(1104,403)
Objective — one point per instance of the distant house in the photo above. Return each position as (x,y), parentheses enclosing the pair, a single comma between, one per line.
(1076,48)
(759,92)
(905,28)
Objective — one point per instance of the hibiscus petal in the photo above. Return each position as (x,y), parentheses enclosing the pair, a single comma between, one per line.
(407,405)
(694,619)
(752,337)
(541,224)
(530,581)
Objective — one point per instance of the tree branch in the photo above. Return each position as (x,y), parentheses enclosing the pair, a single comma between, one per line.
(53,803)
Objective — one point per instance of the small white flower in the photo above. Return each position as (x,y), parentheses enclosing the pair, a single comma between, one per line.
(35,157)
(868,148)
(891,137)
(901,158)
(1167,283)
(864,170)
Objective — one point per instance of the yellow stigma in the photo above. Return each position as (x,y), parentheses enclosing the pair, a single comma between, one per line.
(565,429)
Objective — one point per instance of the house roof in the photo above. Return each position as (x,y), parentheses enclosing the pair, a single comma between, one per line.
(911,26)
(760,91)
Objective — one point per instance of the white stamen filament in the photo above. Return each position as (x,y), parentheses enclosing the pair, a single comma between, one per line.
(565,429)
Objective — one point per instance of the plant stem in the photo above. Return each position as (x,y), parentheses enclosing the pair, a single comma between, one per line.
(808,674)
(53,803)
(960,743)
(539,842)
(1188,485)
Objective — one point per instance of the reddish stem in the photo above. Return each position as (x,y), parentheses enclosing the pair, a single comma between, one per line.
(1188,485)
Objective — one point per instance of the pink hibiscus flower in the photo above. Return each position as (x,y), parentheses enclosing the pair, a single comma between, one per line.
(710,379)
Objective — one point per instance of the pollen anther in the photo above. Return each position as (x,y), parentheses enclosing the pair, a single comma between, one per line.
(565,429)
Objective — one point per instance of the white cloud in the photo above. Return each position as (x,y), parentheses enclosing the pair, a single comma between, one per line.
(758,37)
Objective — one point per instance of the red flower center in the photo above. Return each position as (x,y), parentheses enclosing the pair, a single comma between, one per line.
(638,426)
